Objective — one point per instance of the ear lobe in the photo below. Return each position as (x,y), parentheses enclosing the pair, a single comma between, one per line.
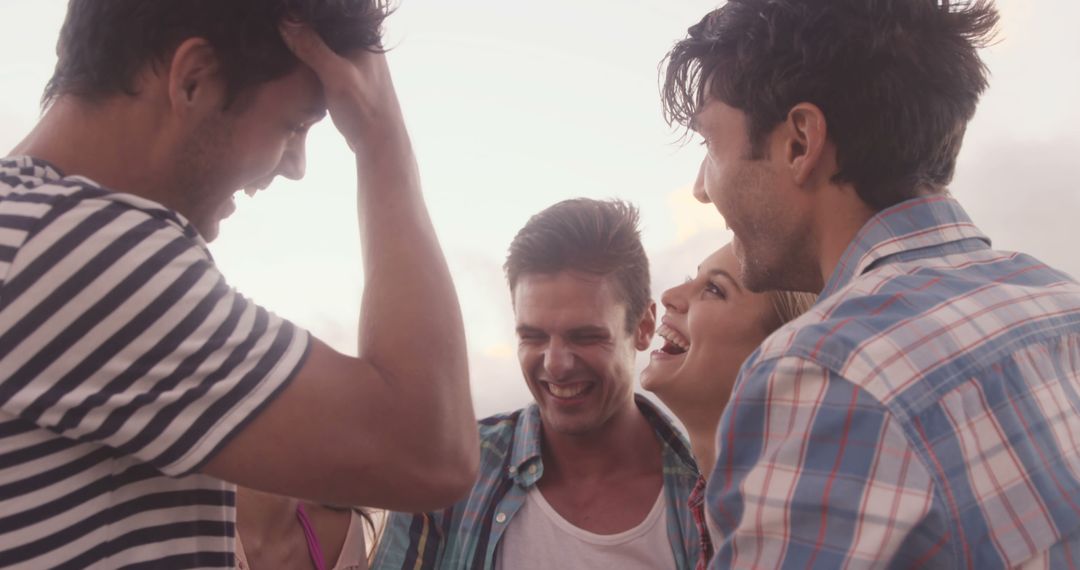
(194,76)
(646,328)
(808,134)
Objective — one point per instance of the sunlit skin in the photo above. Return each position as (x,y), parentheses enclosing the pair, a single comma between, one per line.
(710,326)
(602,462)
(791,220)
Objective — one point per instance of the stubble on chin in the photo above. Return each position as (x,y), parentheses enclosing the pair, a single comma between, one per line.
(756,276)
(202,164)
(790,267)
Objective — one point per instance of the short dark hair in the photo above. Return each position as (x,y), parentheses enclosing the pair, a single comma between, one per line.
(105,43)
(897,80)
(600,237)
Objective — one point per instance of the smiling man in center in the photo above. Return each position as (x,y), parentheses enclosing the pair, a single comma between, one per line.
(589,475)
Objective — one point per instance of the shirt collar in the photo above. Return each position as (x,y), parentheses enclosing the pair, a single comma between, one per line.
(526,467)
(30,166)
(914,224)
(45,170)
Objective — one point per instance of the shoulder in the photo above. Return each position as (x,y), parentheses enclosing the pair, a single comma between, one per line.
(497,432)
(498,425)
(35,190)
(76,210)
(945,316)
(57,226)
(680,460)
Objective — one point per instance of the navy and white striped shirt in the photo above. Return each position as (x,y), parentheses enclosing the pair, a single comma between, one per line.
(126,362)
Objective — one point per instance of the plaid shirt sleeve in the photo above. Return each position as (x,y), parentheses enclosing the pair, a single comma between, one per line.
(812,471)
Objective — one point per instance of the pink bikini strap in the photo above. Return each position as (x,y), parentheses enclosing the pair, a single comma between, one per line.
(312,540)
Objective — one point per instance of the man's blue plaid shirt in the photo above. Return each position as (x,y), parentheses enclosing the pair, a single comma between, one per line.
(925,413)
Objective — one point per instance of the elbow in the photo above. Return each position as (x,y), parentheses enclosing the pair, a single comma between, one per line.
(463,473)
(458,469)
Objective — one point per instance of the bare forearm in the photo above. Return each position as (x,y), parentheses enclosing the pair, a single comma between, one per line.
(411,327)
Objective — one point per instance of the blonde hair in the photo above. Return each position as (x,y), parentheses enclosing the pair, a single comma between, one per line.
(787,306)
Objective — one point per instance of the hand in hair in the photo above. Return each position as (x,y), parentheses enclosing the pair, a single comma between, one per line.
(359,92)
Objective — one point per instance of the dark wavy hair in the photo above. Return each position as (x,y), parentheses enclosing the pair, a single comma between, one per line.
(105,43)
(600,237)
(897,80)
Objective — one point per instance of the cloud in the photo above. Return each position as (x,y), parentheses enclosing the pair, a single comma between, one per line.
(692,218)
(1024,195)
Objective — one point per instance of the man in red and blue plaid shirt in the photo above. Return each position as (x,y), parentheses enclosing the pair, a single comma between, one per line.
(926,412)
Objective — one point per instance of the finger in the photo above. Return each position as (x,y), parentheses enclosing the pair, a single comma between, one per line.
(309,47)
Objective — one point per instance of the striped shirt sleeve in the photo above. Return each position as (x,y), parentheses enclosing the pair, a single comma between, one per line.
(117,328)
(813,472)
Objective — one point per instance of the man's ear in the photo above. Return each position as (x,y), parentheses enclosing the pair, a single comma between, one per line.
(646,328)
(806,136)
(195,78)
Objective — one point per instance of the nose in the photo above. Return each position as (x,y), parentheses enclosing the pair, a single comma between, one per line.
(699,184)
(676,299)
(294,160)
(558,359)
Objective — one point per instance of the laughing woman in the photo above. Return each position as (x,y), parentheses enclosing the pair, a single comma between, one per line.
(711,325)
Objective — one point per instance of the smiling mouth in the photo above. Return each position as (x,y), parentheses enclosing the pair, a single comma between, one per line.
(674,342)
(567,391)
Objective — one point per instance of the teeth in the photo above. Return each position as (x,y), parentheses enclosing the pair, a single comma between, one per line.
(671,335)
(568,391)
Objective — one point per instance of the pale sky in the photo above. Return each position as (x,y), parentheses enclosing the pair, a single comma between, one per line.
(513,106)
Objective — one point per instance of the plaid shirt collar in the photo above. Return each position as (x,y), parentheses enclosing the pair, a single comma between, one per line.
(914,224)
(526,467)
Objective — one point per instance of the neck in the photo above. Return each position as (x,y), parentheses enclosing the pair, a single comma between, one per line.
(701,423)
(840,217)
(101,141)
(626,443)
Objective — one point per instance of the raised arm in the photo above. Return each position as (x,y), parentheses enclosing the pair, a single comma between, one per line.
(393,428)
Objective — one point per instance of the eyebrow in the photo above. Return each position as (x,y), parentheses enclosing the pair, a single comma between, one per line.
(734,281)
(589,330)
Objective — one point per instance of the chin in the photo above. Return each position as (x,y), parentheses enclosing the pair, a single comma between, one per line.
(209,231)
(653,382)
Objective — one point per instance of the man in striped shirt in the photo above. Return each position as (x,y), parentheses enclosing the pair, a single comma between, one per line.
(136,387)
(926,413)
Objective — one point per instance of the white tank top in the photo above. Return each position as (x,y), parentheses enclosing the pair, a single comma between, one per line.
(538,538)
